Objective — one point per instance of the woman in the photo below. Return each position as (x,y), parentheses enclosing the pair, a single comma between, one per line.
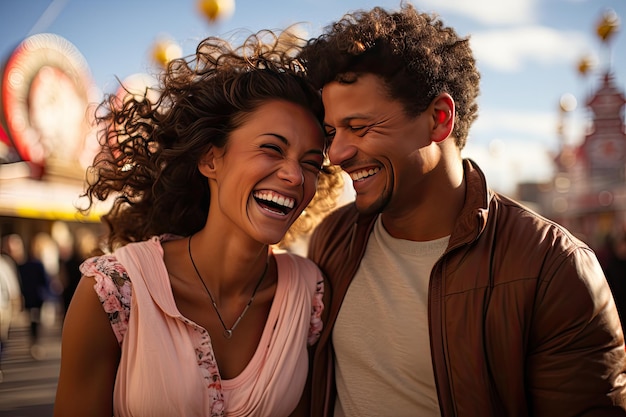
(193,313)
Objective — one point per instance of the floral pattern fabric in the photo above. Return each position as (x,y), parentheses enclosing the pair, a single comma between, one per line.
(114,289)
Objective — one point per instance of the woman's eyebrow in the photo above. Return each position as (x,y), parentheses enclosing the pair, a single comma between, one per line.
(286,142)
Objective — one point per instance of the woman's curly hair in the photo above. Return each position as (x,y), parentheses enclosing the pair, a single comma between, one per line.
(417,56)
(150,148)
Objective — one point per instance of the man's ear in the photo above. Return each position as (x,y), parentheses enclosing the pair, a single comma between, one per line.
(206,165)
(442,109)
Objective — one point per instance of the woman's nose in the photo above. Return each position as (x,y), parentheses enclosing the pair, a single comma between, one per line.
(291,171)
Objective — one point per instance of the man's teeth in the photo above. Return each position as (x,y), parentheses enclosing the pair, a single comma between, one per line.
(359,175)
(275,198)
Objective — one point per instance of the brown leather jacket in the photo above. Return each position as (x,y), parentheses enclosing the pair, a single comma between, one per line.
(522,321)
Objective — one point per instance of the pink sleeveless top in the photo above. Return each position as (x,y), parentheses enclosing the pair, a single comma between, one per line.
(168,368)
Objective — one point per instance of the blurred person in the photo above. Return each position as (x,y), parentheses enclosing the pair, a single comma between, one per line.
(194,313)
(84,244)
(615,270)
(46,249)
(448,299)
(33,284)
(10,296)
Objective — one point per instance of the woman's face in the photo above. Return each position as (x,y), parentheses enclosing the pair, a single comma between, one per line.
(267,173)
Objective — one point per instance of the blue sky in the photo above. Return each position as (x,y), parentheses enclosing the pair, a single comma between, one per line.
(527,51)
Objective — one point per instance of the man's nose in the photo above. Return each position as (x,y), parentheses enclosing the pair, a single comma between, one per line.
(341,148)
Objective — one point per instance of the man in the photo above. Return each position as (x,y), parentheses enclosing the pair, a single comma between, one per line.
(447,299)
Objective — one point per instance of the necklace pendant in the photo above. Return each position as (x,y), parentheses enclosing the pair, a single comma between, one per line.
(228,333)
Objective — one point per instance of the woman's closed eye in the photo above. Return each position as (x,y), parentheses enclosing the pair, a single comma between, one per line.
(273,147)
(313,165)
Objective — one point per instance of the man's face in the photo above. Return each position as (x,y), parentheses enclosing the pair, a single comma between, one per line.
(386,152)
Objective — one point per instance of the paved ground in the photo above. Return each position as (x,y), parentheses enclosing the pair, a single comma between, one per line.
(29,378)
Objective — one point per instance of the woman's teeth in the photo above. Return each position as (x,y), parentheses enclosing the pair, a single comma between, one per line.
(275,198)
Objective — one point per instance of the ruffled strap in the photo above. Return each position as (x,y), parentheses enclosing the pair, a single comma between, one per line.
(113,288)
(317,308)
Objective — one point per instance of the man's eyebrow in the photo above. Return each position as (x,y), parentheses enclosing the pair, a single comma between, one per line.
(348,119)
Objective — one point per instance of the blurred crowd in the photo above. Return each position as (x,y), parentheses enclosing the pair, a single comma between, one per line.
(38,278)
(612,257)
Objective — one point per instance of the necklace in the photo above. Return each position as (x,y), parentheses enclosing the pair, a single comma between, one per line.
(228,333)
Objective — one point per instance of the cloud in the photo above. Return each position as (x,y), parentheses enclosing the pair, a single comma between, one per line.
(513,49)
(529,126)
(509,162)
(514,146)
(489,12)
(515,123)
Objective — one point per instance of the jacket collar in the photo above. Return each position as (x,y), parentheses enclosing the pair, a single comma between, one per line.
(473,216)
(475,212)
(472,219)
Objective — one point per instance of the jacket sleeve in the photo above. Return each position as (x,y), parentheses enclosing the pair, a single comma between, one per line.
(336,248)
(319,241)
(577,361)
(317,253)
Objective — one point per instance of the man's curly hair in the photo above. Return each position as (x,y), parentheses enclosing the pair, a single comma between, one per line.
(416,55)
(150,148)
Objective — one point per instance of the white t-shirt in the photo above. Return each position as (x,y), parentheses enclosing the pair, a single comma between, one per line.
(381,339)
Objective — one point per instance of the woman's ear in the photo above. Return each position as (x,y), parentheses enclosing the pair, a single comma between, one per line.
(206,165)
(442,109)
